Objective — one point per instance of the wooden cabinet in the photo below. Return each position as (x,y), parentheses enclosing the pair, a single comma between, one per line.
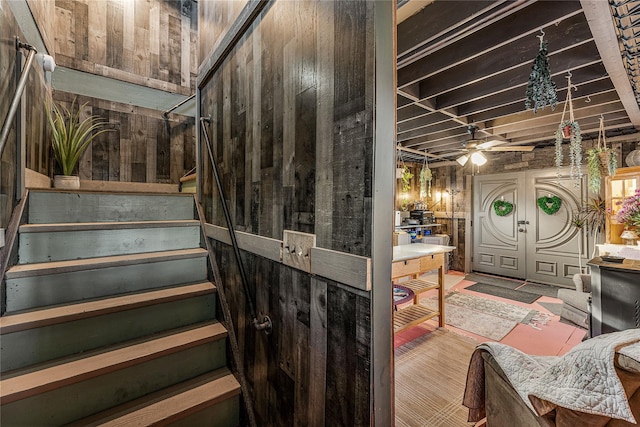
(623,184)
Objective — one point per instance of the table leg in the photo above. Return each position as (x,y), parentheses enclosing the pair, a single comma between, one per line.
(441,295)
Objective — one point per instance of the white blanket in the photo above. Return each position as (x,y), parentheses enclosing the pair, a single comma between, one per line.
(584,379)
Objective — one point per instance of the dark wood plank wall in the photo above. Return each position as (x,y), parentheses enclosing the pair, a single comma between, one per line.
(292,126)
(143,146)
(313,370)
(293,133)
(35,95)
(148,42)
(219,17)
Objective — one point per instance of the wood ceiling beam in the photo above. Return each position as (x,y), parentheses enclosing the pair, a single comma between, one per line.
(550,129)
(517,107)
(492,106)
(441,16)
(573,55)
(410,8)
(598,14)
(528,117)
(427,130)
(548,140)
(422,121)
(514,84)
(526,22)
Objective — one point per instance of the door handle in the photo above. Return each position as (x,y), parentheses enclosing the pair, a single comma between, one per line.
(523,222)
(522,230)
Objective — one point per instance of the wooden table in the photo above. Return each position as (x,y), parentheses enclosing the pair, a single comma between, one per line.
(411,261)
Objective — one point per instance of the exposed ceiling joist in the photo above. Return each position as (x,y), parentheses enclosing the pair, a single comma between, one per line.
(598,14)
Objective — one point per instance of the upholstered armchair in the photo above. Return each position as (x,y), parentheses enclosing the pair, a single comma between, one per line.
(576,303)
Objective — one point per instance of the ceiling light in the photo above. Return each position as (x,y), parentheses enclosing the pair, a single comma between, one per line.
(462,159)
(478,158)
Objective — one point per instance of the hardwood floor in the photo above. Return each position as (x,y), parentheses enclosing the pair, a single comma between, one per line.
(430,374)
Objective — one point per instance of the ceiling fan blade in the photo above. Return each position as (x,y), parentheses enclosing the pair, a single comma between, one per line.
(490,143)
(512,148)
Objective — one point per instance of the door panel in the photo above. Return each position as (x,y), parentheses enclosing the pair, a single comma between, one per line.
(498,246)
(542,248)
(553,243)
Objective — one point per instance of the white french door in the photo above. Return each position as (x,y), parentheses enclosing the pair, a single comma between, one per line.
(528,243)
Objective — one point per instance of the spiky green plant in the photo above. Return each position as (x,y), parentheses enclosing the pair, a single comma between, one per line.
(71,136)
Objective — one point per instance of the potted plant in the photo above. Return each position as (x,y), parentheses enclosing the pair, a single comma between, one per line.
(595,215)
(601,160)
(70,137)
(570,129)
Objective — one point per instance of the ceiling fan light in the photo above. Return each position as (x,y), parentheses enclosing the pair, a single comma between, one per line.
(462,160)
(478,158)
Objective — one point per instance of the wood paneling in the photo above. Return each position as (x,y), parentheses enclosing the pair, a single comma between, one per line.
(293,134)
(142,146)
(291,110)
(146,42)
(313,370)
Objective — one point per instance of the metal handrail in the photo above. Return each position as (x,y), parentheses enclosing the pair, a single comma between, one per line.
(165,113)
(15,102)
(266,324)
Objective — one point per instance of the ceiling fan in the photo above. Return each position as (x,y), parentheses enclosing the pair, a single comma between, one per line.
(474,148)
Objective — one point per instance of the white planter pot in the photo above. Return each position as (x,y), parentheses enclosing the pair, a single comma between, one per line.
(64,182)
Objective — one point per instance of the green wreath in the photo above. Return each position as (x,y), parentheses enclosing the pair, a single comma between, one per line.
(549,205)
(502,208)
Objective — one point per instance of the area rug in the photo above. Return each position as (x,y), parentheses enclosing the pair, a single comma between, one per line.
(485,317)
(485,325)
(494,280)
(501,292)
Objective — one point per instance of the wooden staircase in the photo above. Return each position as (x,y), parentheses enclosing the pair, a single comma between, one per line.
(110,318)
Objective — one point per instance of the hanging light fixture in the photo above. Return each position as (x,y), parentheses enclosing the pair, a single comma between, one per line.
(477,158)
(462,160)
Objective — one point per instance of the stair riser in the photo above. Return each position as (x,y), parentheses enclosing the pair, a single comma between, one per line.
(45,207)
(223,414)
(69,245)
(24,348)
(41,291)
(75,401)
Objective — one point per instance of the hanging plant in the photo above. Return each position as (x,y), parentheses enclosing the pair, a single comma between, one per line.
(541,89)
(549,204)
(601,160)
(406,179)
(425,180)
(502,207)
(570,129)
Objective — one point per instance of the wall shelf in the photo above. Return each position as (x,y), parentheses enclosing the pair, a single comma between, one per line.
(406,227)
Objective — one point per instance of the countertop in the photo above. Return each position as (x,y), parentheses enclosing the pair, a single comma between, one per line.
(631,265)
(418,250)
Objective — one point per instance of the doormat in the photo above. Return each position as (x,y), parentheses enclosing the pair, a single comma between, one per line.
(541,289)
(493,280)
(553,307)
(499,291)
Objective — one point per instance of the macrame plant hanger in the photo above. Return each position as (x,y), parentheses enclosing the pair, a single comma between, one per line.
(425,178)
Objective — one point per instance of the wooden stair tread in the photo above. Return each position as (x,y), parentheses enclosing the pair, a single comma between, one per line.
(418,285)
(169,404)
(60,314)
(411,316)
(40,381)
(111,225)
(35,269)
